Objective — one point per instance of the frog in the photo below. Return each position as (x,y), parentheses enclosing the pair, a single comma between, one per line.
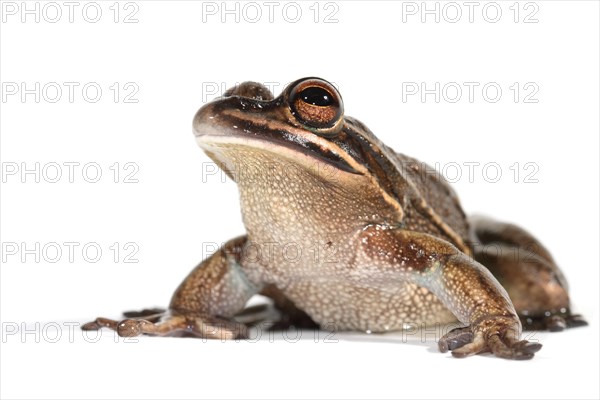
(344,233)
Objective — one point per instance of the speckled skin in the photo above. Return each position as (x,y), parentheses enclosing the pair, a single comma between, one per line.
(343,231)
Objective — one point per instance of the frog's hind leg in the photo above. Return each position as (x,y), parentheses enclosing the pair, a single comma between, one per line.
(527,271)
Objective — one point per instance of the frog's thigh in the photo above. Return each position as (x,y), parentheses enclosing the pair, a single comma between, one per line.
(527,271)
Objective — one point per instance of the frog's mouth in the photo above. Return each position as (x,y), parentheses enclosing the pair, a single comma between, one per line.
(235,150)
(238,125)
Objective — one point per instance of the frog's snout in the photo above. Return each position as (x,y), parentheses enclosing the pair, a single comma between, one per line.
(210,118)
(252,90)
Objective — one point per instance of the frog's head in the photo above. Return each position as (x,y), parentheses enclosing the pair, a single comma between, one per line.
(298,124)
(249,132)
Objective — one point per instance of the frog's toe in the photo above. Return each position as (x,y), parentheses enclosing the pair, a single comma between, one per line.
(476,346)
(150,314)
(454,339)
(513,350)
(556,323)
(502,339)
(134,327)
(99,323)
(125,328)
(462,342)
(575,321)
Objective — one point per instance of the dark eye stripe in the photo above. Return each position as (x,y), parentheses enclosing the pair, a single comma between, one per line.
(276,132)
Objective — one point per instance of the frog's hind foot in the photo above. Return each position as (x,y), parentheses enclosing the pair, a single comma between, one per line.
(156,322)
(553,322)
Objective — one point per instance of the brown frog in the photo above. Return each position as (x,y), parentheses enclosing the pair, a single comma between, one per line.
(345,233)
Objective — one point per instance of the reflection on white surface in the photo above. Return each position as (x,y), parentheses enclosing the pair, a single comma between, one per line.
(69,363)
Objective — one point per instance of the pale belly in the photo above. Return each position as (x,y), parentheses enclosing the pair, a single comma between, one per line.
(345,305)
(334,283)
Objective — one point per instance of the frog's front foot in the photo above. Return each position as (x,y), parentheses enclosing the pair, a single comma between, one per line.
(170,323)
(499,335)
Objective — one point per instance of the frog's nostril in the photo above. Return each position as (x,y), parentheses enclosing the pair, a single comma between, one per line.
(252,90)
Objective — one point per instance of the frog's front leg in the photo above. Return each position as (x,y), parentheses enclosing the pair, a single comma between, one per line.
(465,287)
(203,305)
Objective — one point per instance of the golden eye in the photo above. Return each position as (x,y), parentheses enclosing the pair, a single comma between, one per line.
(317,104)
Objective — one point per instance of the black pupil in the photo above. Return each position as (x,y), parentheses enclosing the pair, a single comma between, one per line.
(316,96)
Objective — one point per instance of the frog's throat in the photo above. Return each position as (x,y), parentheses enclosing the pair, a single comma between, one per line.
(220,147)
(304,155)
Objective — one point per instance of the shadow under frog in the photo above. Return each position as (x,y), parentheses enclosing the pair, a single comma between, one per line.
(344,232)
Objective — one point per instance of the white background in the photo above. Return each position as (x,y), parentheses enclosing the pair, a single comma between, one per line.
(174,54)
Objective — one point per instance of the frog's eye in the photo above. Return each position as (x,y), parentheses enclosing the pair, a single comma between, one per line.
(317,104)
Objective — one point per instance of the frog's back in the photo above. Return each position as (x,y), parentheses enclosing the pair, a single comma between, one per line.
(438,196)
(428,203)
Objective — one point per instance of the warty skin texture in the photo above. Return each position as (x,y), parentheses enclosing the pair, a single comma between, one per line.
(345,233)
